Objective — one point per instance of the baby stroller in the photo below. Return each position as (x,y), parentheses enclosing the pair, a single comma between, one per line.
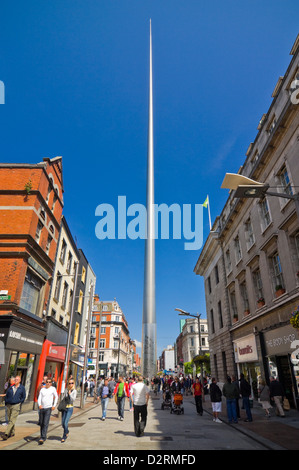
(177,404)
(166,399)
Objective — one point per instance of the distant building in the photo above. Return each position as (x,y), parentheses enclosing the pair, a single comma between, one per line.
(117,351)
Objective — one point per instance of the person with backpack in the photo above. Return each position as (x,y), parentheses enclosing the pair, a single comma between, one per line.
(245,390)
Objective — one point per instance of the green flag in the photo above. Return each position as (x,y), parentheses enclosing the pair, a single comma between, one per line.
(205,204)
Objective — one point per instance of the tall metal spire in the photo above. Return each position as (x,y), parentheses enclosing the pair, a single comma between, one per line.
(149,326)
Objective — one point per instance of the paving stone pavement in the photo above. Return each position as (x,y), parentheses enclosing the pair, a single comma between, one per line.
(165,432)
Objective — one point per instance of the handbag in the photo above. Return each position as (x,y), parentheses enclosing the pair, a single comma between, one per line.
(64,402)
(286,404)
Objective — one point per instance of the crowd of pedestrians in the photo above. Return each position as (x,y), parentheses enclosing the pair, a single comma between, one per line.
(137,392)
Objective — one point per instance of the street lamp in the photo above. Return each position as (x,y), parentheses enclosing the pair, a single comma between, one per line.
(198,315)
(246,187)
(118,338)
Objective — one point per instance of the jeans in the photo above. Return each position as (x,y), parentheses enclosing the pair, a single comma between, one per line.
(104,403)
(44,419)
(65,420)
(139,424)
(231,410)
(246,405)
(121,406)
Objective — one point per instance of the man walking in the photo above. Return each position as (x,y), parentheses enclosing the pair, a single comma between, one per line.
(197,391)
(245,390)
(14,398)
(121,391)
(140,394)
(277,394)
(104,394)
(47,401)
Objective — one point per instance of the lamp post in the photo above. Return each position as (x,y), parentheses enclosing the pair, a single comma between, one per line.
(197,316)
(118,338)
(82,402)
(248,188)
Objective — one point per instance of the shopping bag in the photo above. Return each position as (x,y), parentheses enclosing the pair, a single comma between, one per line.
(286,404)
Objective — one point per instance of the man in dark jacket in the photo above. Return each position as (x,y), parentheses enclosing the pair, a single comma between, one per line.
(14,398)
(245,390)
(277,394)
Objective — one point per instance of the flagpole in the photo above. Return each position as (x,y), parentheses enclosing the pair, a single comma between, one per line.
(209,213)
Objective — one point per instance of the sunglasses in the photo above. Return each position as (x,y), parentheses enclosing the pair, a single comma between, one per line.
(49,381)
(71,383)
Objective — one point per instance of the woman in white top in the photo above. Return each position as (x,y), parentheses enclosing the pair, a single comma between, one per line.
(47,401)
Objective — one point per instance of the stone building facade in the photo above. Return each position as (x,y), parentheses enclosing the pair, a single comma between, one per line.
(250,261)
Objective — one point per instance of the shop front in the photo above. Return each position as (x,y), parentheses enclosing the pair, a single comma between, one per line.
(22,343)
(281,346)
(51,364)
(246,358)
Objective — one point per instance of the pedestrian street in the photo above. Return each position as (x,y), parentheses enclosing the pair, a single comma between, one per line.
(164,431)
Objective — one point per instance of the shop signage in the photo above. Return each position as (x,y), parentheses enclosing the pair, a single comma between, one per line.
(245,349)
(22,340)
(278,341)
(57,352)
(5,297)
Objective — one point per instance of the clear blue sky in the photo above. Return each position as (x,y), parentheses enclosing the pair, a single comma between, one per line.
(76,85)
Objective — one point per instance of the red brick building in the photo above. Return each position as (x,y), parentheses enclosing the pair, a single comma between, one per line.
(31,204)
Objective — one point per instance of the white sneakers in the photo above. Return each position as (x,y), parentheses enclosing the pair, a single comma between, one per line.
(217,420)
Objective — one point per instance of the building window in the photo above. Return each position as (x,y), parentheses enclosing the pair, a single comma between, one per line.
(80,301)
(285,181)
(48,245)
(83,275)
(38,231)
(209,285)
(264,213)
(58,287)
(31,293)
(220,315)
(258,286)
(101,357)
(102,343)
(76,335)
(216,274)
(277,272)
(244,296)
(212,321)
(63,251)
(249,235)
(228,262)
(238,252)
(69,262)
(64,295)
(233,304)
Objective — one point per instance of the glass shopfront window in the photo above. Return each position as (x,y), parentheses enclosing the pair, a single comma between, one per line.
(252,373)
(22,364)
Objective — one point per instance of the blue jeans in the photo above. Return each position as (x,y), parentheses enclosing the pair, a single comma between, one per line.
(246,405)
(65,421)
(121,406)
(231,410)
(45,415)
(104,403)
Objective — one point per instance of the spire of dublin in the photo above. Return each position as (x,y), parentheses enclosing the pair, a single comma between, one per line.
(149,326)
